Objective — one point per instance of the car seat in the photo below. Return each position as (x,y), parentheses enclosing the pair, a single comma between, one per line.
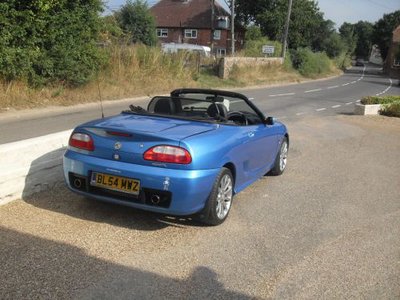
(216,110)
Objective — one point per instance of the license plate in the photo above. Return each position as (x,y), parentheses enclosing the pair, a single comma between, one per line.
(116,183)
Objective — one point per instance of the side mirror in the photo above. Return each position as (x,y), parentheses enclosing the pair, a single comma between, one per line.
(269,121)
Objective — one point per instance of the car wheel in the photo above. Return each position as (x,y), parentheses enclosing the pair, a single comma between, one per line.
(281,158)
(220,201)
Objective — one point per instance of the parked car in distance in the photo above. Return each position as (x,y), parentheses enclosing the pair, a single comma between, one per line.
(186,154)
(176,47)
(359,63)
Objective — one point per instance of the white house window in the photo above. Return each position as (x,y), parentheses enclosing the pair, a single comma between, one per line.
(191,33)
(217,34)
(162,32)
(221,52)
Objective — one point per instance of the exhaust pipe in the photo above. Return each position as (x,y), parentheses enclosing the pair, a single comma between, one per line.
(155,199)
(78,183)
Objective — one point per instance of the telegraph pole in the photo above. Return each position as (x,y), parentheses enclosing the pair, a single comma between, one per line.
(233,27)
(285,36)
(212,25)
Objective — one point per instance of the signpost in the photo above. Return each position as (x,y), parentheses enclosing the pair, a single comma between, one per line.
(268,50)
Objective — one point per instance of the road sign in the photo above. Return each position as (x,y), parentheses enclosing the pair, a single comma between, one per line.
(268,49)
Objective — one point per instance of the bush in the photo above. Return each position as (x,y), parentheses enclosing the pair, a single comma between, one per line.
(43,42)
(380,100)
(137,21)
(253,48)
(390,104)
(391,110)
(343,61)
(310,64)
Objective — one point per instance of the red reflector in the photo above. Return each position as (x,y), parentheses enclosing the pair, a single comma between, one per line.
(81,141)
(116,133)
(169,154)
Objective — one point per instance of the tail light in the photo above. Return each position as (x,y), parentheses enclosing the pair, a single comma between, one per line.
(81,141)
(168,154)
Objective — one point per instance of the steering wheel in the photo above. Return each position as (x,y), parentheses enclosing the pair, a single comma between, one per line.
(238,118)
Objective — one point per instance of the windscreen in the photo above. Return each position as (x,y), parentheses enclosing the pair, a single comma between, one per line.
(222,109)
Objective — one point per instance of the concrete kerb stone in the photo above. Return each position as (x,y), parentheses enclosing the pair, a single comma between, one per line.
(31,165)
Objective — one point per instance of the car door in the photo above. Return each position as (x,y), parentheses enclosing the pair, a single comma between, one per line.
(262,145)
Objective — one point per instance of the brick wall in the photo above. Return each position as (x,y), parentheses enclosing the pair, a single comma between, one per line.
(227,63)
(176,35)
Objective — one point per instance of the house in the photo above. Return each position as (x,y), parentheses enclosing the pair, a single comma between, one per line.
(392,63)
(190,21)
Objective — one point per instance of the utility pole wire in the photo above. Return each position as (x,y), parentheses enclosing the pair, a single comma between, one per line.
(285,36)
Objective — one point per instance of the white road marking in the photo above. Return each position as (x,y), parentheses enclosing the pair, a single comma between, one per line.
(311,91)
(336,106)
(348,103)
(353,82)
(280,95)
(359,100)
(344,84)
(300,113)
(332,87)
(320,109)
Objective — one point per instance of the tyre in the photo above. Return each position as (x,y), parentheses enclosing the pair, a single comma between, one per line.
(281,158)
(220,200)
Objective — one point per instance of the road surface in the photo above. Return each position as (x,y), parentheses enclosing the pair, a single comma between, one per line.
(328,228)
(327,97)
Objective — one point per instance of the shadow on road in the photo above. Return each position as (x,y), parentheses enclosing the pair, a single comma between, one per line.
(34,268)
(45,188)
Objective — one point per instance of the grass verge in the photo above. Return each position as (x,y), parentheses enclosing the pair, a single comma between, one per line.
(138,71)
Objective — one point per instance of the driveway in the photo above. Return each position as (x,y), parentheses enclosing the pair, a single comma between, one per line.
(329,227)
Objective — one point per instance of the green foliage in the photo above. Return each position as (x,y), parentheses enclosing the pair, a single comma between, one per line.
(383,31)
(110,30)
(247,11)
(46,41)
(343,60)
(380,100)
(333,45)
(253,33)
(391,110)
(305,25)
(310,64)
(136,20)
(390,104)
(363,31)
(253,48)
(349,37)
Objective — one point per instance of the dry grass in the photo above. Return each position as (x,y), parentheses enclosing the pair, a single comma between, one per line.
(264,74)
(138,71)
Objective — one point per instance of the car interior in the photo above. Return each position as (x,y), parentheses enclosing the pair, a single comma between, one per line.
(226,110)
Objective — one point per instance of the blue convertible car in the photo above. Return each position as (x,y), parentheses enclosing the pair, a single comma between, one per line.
(186,154)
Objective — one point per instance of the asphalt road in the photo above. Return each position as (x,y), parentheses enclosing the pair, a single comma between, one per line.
(327,97)
(329,227)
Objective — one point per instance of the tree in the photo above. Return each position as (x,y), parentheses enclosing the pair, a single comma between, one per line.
(333,45)
(253,33)
(305,25)
(349,37)
(383,31)
(247,11)
(363,31)
(44,41)
(136,20)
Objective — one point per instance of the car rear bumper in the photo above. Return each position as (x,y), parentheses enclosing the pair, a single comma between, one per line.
(181,192)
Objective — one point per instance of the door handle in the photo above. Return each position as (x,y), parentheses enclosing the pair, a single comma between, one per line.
(251,134)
